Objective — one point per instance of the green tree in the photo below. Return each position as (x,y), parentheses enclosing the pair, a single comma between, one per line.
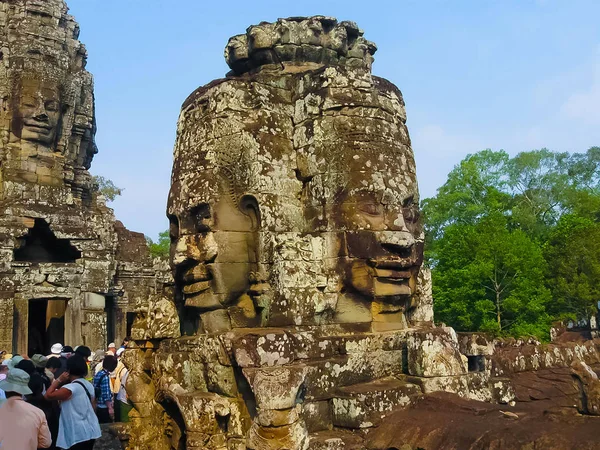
(475,188)
(160,249)
(573,255)
(538,182)
(490,277)
(494,227)
(106,187)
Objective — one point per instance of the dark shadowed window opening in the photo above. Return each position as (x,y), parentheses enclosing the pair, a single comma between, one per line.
(130,319)
(40,245)
(476,363)
(46,325)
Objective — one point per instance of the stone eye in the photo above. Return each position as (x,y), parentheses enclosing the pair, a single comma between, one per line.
(173,228)
(51,105)
(201,217)
(410,211)
(411,214)
(371,208)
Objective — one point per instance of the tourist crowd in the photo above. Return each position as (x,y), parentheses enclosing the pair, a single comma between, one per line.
(60,400)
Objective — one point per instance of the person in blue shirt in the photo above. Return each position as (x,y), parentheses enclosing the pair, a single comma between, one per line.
(104,396)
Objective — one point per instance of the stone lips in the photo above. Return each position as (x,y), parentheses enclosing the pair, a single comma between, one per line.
(300,40)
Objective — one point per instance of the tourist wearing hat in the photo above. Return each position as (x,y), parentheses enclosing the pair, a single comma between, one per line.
(22,426)
(55,350)
(112,349)
(40,361)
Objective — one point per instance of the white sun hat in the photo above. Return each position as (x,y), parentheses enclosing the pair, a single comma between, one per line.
(56,348)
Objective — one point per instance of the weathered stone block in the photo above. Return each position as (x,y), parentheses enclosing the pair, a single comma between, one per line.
(260,347)
(455,384)
(475,344)
(364,405)
(294,436)
(277,387)
(434,353)
(317,415)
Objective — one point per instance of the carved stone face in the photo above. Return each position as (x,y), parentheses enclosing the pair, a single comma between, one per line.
(38,112)
(212,245)
(383,245)
(375,207)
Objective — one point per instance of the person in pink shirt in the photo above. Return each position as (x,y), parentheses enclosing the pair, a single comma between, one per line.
(22,426)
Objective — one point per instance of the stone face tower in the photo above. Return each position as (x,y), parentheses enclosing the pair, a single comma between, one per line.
(297,248)
(65,274)
(294,197)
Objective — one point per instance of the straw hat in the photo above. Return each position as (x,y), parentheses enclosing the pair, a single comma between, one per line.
(16,381)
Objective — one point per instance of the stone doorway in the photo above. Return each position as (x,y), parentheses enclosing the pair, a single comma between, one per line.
(45,325)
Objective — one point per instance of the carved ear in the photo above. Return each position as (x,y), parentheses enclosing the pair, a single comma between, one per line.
(249,206)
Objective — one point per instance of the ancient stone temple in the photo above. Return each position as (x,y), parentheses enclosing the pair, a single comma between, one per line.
(296,313)
(297,251)
(66,267)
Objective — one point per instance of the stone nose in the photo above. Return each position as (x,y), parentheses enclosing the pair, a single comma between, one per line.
(399,243)
(41,116)
(195,248)
(396,221)
(39,112)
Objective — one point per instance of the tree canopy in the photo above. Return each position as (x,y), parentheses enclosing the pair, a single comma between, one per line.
(160,248)
(514,243)
(107,188)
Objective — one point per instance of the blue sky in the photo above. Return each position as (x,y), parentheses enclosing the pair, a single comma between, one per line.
(503,74)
